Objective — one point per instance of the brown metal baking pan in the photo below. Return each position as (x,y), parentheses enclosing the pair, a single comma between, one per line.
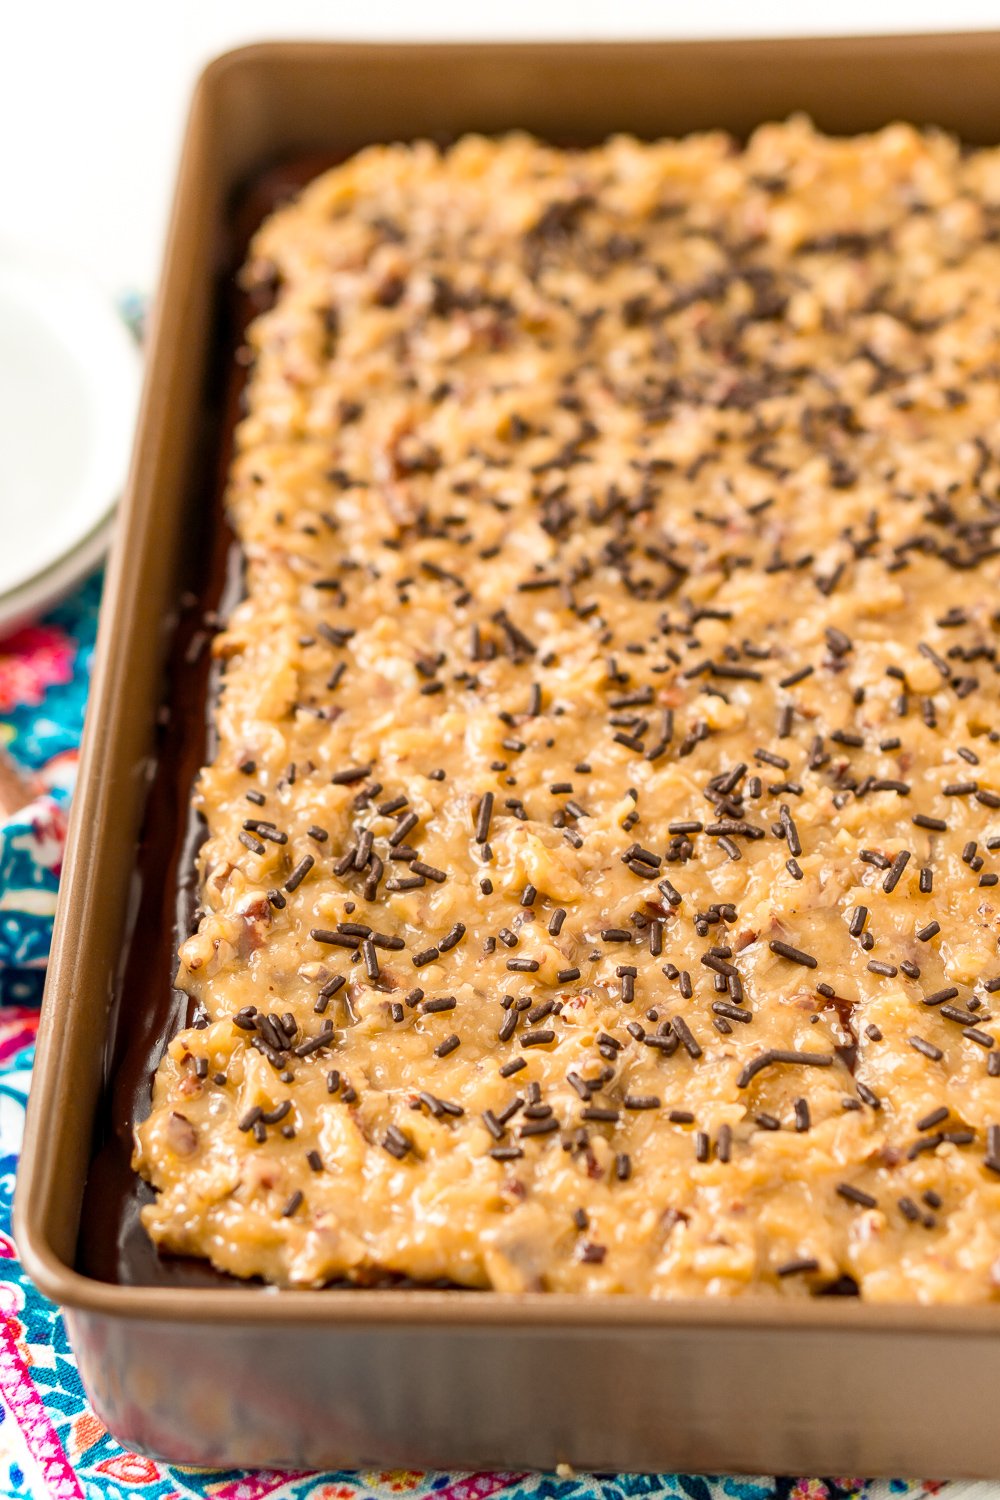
(199,1369)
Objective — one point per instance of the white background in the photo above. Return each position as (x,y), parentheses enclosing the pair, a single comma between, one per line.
(92,95)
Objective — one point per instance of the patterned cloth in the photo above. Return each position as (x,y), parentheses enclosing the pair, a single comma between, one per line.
(51,1443)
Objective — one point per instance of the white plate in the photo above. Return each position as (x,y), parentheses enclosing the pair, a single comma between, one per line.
(69,385)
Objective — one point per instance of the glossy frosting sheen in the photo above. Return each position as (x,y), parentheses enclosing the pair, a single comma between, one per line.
(620,538)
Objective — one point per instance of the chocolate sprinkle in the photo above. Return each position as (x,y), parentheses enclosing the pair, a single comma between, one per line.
(777,1056)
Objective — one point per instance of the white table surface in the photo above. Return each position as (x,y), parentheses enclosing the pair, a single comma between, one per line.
(92,96)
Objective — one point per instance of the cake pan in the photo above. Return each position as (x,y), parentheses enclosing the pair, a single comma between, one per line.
(232,1375)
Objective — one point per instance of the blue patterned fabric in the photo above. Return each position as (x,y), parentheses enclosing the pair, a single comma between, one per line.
(51,662)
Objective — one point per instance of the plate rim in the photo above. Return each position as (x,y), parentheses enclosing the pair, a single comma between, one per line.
(32,594)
